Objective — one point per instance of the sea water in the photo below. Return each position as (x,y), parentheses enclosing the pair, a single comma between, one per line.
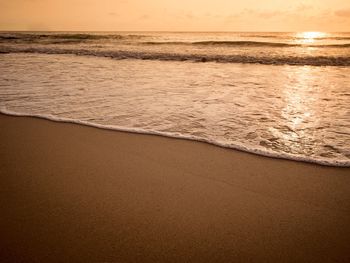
(284,95)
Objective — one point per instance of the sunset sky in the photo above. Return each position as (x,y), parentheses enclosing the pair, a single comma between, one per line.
(179,15)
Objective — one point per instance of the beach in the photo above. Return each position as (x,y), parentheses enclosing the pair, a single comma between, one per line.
(73,193)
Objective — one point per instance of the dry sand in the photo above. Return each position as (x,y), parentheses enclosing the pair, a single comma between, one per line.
(71,193)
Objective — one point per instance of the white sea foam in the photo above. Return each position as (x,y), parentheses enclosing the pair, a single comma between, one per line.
(186,137)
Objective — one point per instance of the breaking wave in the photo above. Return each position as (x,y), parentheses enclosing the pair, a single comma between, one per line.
(62,38)
(219,58)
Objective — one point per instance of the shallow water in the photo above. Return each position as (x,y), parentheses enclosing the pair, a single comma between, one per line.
(296,112)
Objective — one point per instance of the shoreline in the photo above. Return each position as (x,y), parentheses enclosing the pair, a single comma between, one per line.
(82,194)
(236,147)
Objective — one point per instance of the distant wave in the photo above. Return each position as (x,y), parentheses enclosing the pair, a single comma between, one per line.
(220,58)
(243,43)
(291,36)
(71,38)
(222,43)
(61,38)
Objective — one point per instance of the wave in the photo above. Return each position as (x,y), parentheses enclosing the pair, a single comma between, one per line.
(244,43)
(219,58)
(293,36)
(240,147)
(71,38)
(222,43)
(63,38)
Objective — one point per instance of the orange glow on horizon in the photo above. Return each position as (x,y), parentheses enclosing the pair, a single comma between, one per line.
(181,15)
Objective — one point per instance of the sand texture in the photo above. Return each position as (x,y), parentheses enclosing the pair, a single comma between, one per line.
(71,193)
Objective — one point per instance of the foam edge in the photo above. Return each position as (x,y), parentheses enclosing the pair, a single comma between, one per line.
(257,151)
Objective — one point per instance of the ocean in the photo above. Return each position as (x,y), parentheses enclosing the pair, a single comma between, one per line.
(284,95)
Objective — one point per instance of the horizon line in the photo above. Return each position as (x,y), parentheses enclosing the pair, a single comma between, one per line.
(174,31)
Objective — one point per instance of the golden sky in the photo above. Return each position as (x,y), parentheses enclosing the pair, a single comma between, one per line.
(175,15)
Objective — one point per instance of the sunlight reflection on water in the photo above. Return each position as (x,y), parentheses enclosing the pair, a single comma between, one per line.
(309,37)
(300,109)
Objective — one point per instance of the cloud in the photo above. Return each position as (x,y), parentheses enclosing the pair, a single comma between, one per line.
(269,14)
(343,13)
(144,17)
(189,15)
(302,7)
(258,13)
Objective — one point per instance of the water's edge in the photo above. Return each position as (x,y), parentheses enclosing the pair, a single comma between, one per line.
(238,147)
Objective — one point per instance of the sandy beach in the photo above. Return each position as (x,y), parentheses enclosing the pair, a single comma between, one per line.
(72,193)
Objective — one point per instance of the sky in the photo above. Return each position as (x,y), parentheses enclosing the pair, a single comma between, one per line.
(175,15)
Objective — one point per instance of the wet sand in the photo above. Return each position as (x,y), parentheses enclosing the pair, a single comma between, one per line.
(72,193)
